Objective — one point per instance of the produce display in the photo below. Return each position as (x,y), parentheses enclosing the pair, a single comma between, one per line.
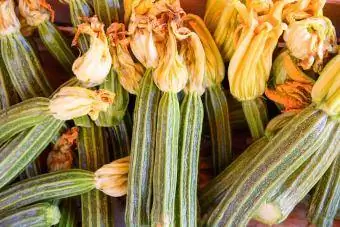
(153,110)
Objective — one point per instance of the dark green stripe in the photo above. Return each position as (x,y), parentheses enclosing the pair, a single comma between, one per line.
(107,10)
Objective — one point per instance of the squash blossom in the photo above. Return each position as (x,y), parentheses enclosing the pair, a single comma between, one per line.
(112,178)
(310,41)
(9,22)
(72,102)
(35,11)
(93,66)
(302,9)
(129,72)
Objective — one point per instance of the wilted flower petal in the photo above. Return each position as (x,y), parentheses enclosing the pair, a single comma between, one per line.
(9,22)
(35,11)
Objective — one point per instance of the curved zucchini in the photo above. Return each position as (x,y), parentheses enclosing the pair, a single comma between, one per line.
(139,194)
(93,154)
(40,214)
(24,68)
(165,165)
(16,154)
(56,185)
(107,10)
(8,95)
(284,153)
(326,197)
(216,106)
(192,113)
(22,116)
(56,45)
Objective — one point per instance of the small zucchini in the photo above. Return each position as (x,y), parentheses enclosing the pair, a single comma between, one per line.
(40,214)
(56,185)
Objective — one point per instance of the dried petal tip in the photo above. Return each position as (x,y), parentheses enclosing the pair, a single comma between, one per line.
(35,11)
(112,178)
(9,22)
(93,67)
(72,102)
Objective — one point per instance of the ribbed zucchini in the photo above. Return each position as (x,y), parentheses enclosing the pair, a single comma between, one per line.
(115,113)
(107,10)
(296,187)
(56,45)
(119,140)
(67,213)
(192,113)
(93,153)
(56,185)
(139,194)
(22,116)
(216,106)
(16,154)
(284,153)
(326,197)
(8,95)
(40,214)
(165,166)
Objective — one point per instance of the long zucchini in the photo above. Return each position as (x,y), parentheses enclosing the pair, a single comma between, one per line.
(16,154)
(326,197)
(139,195)
(56,185)
(22,116)
(40,214)
(284,153)
(8,95)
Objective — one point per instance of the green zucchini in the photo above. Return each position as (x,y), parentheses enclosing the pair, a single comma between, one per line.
(56,45)
(284,153)
(216,107)
(165,165)
(37,215)
(139,194)
(22,116)
(107,10)
(93,154)
(255,112)
(192,113)
(115,113)
(295,188)
(56,185)
(326,197)
(23,66)
(8,95)
(68,213)
(119,140)
(16,154)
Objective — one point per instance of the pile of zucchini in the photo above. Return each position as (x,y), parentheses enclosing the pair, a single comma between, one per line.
(147,114)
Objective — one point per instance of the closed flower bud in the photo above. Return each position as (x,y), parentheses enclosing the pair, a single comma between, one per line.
(93,66)
(73,102)
(9,22)
(112,178)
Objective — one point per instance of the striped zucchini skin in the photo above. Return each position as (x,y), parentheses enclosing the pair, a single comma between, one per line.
(326,197)
(139,194)
(24,68)
(255,112)
(192,113)
(119,140)
(56,45)
(25,147)
(79,9)
(107,10)
(165,165)
(67,213)
(8,95)
(115,113)
(93,154)
(296,187)
(37,215)
(22,116)
(284,153)
(56,185)
(216,107)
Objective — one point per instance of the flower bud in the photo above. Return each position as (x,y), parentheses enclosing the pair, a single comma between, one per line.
(9,23)
(72,102)
(112,178)
(93,67)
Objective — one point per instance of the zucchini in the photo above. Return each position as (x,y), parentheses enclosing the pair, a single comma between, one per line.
(295,188)
(8,95)
(216,107)
(16,154)
(56,45)
(326,197)
(107,10)
(67,213)
(192,113)
(93,154)
(284,153)
(119,140)
(56,185)
(165,166)
(22,116)
(40,214)
(139,194)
